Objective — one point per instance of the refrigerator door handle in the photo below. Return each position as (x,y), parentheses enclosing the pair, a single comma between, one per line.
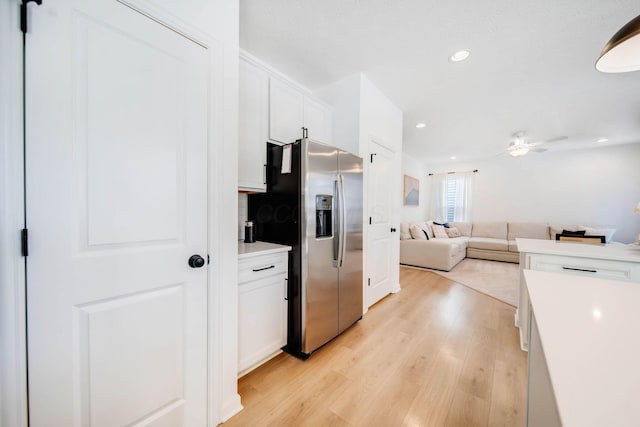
(335,223)
(343,220)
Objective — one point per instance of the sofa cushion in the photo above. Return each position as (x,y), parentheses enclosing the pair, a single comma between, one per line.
(528,230)
(405,234)
(513,246)
(439,232)
(463,227)
(494,230)
(417,232)
(488,243)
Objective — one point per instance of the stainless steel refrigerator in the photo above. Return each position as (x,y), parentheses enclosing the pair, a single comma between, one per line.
(314,204)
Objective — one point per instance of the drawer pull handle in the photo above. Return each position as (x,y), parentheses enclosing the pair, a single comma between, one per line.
(580,269)
(264,268)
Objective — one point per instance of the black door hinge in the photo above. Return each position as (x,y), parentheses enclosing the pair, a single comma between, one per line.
(372,154)
(369,282)
(23,13)
(25,242)
(208,259)
(369,220)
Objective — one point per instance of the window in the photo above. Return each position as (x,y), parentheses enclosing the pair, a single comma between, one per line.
(451,197)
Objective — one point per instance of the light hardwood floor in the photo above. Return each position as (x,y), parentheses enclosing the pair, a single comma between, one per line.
(435,354)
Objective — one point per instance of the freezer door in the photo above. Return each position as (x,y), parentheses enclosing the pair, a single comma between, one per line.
(320,274)
(350,269)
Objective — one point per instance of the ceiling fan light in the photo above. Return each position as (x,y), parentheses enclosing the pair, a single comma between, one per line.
(520,151)
(458,56)
(622,53)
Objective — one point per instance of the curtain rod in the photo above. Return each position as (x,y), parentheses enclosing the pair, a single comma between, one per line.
(453,172)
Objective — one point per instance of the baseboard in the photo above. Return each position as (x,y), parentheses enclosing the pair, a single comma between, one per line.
(396,289)
(231,407)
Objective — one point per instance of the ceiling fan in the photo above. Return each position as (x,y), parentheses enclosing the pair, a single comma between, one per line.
(519,146)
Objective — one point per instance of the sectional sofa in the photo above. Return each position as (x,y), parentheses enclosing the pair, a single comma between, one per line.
(483,240)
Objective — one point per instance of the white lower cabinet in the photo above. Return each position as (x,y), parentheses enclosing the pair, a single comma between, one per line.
(262,309)
(627,271)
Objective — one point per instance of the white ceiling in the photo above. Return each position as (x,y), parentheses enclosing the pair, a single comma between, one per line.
(531,66)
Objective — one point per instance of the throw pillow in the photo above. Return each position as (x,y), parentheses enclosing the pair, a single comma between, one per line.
(452,232)
(438,231)
(417,232)
(427,227)
(606,232)
(573,233)
(445,224)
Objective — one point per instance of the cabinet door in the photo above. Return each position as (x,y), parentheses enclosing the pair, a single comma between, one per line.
(285,112)
(253,123)
(317,119)
(262,325)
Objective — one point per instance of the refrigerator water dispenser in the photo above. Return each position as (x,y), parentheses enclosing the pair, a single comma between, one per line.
(324,207)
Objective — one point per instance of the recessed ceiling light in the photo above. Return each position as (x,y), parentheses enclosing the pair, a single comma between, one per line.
(421,125)
(602,140)
(453,157)
(460,55)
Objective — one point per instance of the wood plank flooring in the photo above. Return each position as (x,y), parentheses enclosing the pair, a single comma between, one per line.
(435,354)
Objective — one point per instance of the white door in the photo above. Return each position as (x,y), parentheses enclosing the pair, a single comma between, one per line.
(116,204)
(380,201)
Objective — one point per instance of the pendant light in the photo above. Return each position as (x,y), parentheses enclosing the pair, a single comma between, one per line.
(622,53)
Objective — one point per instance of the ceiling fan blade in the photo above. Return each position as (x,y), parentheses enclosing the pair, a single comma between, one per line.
(547,141)
(556,139)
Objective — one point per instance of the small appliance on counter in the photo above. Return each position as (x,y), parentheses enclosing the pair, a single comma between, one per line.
(249,236)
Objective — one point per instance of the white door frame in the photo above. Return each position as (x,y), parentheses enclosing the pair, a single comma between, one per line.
(223,399)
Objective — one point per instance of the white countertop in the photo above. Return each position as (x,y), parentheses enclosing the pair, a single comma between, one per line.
(247,250)
(611,251)
(590,330)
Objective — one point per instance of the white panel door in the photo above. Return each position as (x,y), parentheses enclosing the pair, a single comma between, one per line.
(116,204)
(380,201)
(317,119)
(285,112)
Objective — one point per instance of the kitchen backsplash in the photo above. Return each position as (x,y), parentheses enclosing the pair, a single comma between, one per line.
(242,213)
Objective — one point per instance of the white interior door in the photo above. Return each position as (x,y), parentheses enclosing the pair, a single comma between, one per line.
(380,201)
(116,204)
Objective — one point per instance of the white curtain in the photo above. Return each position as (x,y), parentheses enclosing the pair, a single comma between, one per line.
(451,194)
(438,203)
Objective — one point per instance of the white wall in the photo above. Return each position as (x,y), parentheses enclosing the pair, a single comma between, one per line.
(344,97)
(415,169)
(591,187)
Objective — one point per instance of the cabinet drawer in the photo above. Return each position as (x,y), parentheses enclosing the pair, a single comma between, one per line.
(606,269)
(258,267)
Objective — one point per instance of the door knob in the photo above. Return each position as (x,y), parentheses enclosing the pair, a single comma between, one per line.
(196,261)
(393,230)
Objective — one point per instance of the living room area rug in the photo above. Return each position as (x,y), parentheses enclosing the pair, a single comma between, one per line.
(497,279)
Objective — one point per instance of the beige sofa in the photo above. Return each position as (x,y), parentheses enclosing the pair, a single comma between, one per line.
(483,240)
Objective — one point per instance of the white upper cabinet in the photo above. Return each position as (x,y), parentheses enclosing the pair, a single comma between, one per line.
(285,112)
(273,109)
(253,131)
(317,119)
